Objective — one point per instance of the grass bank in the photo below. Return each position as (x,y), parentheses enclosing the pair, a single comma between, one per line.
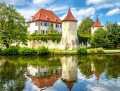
(74,52)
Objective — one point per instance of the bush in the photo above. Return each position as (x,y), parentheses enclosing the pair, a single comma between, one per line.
(27,51)
(0,50)
(92,51)
(100,50)
(43,50)
(82,50)
(13,50)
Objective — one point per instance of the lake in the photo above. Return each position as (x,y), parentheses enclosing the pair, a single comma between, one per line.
(60,73)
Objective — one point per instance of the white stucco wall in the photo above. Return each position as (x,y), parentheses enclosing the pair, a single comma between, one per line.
(93,29)
(32,27)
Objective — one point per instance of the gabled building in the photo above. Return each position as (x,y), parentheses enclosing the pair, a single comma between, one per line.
(96,25)
(40,22)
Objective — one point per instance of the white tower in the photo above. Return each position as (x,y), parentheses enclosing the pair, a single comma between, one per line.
(95,26)
(69,40)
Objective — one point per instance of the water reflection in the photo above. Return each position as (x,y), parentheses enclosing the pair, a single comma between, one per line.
(69,68)
(70,73)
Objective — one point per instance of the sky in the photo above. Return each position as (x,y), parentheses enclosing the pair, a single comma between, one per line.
(106,10)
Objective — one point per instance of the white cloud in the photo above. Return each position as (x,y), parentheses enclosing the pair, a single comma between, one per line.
(100,6)
(43,1)
(27,13)
(99,1)
(118,23)
(14,2)
(60,8)
(112,12)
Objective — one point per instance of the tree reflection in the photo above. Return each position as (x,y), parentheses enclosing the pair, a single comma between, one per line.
(12,76)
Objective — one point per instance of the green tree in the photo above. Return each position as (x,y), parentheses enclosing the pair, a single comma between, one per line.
(85,25)
(12,26)
(113,34)
(99,38)
(51,29)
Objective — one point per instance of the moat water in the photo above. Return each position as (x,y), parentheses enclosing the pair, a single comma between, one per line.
(60,73)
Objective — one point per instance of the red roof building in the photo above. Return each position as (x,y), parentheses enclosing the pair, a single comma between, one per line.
(97,23)
(70,17)
(45,82)
(40,22)
(45,15)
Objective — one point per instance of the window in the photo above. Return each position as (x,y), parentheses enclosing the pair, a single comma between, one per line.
(42,31)
(42,23)
(57,25)
(36,31)
(36,23)
(28,32)
(60,26)
(46,24)
(28,25)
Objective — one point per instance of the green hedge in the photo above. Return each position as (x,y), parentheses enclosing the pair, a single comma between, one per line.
(45,37)
(27,51)
(83,38)
(82,50)
(13,50)
(43,50)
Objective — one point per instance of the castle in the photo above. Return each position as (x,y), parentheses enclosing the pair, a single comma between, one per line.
(68,27)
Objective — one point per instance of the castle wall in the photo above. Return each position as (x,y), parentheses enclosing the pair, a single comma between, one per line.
(38,43)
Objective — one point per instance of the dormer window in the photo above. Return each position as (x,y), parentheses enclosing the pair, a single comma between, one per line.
(56,19)
(47,18)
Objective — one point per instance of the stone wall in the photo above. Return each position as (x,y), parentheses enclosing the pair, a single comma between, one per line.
(37,43)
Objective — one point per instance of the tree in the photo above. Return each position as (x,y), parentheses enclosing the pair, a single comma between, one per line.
(12,26)
(51,29)
(85,25)
(99,38)
(113,34)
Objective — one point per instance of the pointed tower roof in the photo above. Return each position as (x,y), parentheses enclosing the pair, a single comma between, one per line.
(45,15)
(70,17)
(97,23)
(97,75)
(69,84)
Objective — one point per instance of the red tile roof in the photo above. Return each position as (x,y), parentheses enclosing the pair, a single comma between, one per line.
(45,82)
(70,17)
(97,23)
(45,15)
(69,84)
(97,75)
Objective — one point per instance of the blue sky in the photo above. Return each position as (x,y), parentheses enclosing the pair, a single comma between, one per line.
(106,10)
